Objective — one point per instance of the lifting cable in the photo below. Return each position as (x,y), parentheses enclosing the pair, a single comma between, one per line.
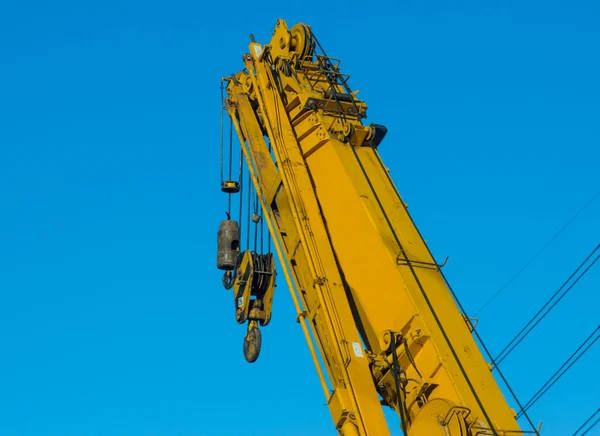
(401,404)
(263,265)
(518,273)
(533,322)
(222,152)
(577,432)
(248,216)
(244,187)
(561,371)
(258,224)
(221,142)
(268,232)
(230,162)
(255,219)
(241,191)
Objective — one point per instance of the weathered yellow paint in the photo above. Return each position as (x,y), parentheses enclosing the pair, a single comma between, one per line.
(357,267)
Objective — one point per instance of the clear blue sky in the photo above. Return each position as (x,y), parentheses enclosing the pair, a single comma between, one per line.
(113,320)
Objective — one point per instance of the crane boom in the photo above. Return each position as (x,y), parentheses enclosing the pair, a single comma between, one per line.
(375,308)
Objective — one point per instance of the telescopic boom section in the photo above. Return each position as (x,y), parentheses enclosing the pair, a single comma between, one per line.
(369,294)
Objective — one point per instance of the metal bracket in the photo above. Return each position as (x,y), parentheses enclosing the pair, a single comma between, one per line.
(471,322)
(319,281)
(456,410)
(403,261)
(302,315)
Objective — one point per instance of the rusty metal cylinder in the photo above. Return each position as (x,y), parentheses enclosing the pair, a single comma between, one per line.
(228,244)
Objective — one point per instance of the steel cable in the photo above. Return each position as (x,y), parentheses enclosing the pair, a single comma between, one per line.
(586,422)
(519,337)
(221,135)
(518,273)
(242,185)
(401,406)
(591,427)
(558,374)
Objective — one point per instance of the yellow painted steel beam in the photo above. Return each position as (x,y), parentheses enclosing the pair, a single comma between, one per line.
(362,279)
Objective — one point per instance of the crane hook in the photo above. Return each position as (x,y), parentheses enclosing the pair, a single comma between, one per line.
(252,342)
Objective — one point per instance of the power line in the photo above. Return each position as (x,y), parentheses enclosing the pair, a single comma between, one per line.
(558,374)
(518,273)
(533,322)
(591,427)
(586,422)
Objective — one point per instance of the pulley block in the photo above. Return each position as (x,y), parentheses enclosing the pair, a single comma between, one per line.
(253,287)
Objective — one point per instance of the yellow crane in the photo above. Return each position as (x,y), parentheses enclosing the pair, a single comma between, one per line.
(379,318)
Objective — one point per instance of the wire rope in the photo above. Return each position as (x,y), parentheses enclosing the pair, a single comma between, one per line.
(519,337)
(586,422)
(558,374)
(524,267)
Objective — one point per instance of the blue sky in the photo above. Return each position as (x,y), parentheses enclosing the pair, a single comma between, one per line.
(113,320)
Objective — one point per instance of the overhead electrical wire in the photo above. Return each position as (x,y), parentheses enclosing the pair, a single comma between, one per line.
(561,371)
(591,427)
(577,432)
(540,315)
(540,251)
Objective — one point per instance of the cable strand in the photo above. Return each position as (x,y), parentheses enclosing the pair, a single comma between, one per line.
(591,427)
(586,422)
(558,374)
(221,135)
(517,340)
(518,273)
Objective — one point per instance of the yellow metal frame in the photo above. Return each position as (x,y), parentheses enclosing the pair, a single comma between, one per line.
(362,279)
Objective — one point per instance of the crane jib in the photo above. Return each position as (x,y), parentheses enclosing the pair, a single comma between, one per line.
(380,319)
